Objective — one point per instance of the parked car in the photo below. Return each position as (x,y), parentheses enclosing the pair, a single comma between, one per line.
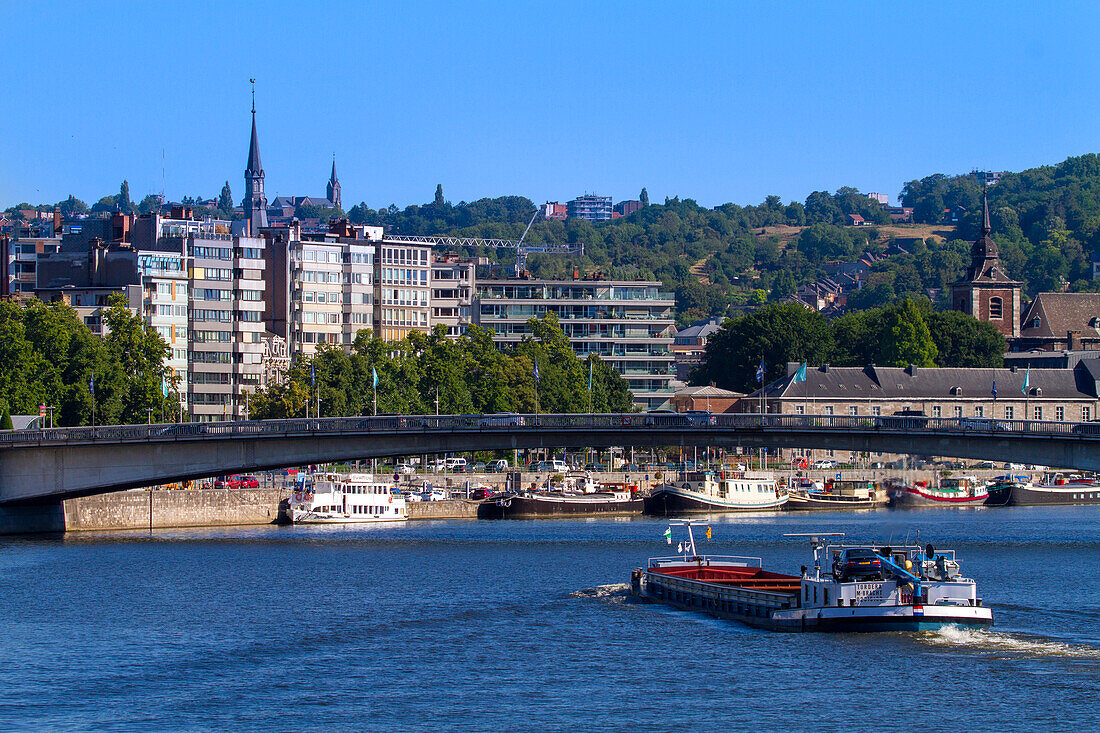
(478,467)
(856,562)
(498,466)
(480,494)
(404,469)
(595,467)
(825,463)
(699,417)
(249,482)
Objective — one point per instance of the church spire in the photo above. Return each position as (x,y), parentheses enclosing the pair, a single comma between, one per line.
(333,188)
(986,228)
(255,203)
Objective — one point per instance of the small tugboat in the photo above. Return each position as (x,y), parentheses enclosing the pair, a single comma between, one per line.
(1055,488)
(835,494)
(578,494)
(710,492)
(345,499)
(957,491)
(870,588)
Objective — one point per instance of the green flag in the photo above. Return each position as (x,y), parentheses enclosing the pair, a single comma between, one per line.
(668,535)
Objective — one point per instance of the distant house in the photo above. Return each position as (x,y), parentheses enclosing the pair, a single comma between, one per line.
(856,220)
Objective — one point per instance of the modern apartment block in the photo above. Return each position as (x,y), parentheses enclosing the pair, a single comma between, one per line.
(453,284)
(404,291)
(629,324)
(321,290)
(590,207)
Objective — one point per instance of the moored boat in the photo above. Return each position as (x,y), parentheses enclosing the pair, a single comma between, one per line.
(836,494)
(871,588)
(712,492)
(578,494)
(954,491)
(345,499)
(1055,488)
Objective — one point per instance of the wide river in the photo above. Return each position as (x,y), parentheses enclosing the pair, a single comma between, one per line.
(526,626)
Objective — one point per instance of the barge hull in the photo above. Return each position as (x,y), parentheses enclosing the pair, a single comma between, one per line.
(666,503)
(531,508)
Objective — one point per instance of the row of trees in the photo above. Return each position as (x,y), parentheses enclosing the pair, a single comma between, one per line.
(426,372)
(49,357)
(906,332)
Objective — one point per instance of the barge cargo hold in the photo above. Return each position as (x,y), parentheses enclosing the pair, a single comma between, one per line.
(902,590)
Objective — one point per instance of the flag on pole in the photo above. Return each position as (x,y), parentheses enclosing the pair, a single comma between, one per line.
(800,375)
(708,534)
(1027,381)
(668,535)
(374,376)
(994,389)
(590,363)
(312,376)
(164,387)
(760,371)
(91,384)
(536,370)
(679,547)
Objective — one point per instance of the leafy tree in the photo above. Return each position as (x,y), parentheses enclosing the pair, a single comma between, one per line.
(439,194)
(149,205)
(123,201)
(225,201)
(904,337)
(5,420)
(72,206)
(776,333)
(964,341)
(643,197)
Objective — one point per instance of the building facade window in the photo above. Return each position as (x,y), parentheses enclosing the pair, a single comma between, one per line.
(958,411)
(853,410)
(1038,413)
(876,411)
(937,411)
(1010,412)
(996,309)
(1060,414)
(1086,414)
(979,411)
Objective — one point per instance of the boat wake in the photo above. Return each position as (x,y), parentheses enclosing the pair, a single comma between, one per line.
(1013,645)
(614,592)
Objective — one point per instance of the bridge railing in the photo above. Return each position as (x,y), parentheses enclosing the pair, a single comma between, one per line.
(693,421)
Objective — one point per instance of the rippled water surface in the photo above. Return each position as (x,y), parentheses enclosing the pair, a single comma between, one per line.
(467,625)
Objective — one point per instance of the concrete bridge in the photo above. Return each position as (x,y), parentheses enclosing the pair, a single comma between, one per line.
(45,466)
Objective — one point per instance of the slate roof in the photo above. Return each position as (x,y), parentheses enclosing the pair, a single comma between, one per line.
(697,331)
(254,167)
(935,383)
(1059,313)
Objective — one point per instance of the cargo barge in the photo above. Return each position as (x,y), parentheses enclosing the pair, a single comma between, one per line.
(871,588)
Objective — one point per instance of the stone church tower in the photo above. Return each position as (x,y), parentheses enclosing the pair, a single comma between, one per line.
(333,189)
(986,291)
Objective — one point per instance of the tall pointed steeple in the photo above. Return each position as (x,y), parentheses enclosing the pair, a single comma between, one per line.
(333,189)
(255,203)
(985,258)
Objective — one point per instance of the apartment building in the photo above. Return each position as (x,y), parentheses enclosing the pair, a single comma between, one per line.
(453,286)
(403,272)
(630,324)
(590,207)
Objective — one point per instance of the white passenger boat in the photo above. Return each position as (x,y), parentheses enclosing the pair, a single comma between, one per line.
(869,588)
(711,491)
(345,499)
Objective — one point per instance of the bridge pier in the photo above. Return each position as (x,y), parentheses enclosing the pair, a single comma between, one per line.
(32,519)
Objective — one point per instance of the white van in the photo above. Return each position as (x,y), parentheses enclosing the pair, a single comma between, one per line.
(455,464)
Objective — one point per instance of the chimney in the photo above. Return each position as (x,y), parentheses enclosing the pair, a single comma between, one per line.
(5,276)
(56,220)
(1074,340)
(97,258)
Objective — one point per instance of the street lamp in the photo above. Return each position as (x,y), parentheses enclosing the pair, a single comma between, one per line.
(149,410)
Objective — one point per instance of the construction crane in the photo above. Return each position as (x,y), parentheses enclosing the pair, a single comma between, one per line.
(522,250)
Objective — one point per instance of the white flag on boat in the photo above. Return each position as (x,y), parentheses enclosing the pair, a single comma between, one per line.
(679,547)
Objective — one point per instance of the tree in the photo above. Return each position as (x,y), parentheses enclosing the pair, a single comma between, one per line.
(225,201)
(123,201)
(964,341)
(5,420)
(439,194)
(644,197)
(72,206)
(777,333)
(904,337)
(149,205)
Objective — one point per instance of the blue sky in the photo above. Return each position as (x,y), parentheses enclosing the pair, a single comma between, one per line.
(720,101)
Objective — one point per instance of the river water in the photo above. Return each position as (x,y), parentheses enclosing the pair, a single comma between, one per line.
(526,626)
